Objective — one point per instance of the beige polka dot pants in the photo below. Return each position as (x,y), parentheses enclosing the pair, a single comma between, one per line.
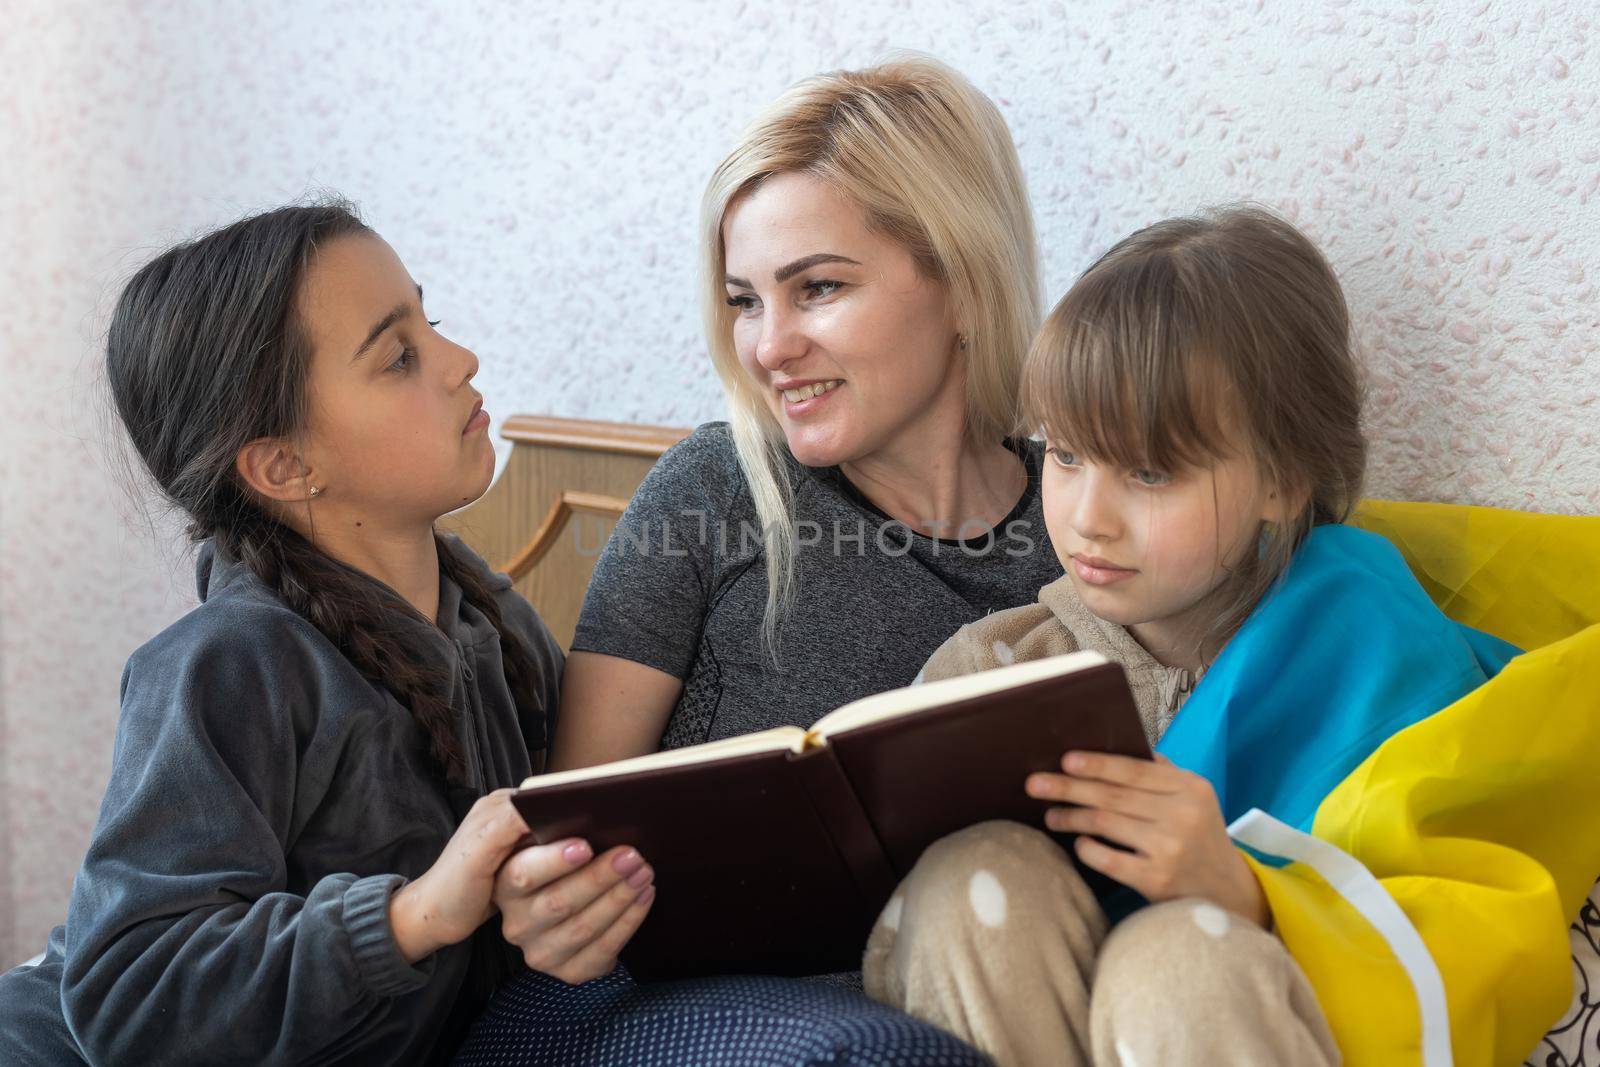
(995,937)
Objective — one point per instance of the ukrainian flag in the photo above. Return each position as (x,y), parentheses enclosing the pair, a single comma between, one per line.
(1422,809)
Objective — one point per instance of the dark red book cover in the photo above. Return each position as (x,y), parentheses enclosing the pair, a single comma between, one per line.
(779,861)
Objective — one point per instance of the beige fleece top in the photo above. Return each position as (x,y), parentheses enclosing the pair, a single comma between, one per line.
(1058,624)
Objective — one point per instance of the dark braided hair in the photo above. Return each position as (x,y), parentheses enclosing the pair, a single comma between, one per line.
(206,353)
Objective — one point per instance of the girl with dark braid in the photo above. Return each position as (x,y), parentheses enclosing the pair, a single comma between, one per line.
(306,852)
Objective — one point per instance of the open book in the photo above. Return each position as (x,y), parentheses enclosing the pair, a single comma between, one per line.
(774,852)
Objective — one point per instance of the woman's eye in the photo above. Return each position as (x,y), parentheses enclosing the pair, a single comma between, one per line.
(742,301)
(1063,457)
(822,287)
(1150,477)
(403,361)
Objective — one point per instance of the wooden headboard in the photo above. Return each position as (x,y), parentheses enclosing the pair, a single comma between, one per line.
(547,516)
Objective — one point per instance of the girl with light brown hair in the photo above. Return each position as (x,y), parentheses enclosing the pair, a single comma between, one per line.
(1203,413)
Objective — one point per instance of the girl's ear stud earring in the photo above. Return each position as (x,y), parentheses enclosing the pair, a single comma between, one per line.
(315,490)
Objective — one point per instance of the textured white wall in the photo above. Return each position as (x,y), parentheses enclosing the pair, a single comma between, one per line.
(538,169)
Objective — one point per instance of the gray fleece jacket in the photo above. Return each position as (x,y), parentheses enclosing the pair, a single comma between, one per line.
(265,801)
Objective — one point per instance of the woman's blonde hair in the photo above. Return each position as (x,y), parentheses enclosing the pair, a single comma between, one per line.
(931,164)
(1200,337)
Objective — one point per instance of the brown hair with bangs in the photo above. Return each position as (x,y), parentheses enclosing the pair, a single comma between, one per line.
(1200,337)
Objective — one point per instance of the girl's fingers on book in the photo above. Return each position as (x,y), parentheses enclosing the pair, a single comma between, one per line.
(536,866)
(1113,826)
(599,957)
(1043,786)
(592,928)
(1157,777)
(1086,792)
(1114,863)
(531,914)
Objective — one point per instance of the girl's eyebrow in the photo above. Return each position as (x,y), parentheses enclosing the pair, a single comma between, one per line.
(784,273)
(398,312)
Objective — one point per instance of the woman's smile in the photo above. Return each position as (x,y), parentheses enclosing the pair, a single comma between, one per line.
(802,398)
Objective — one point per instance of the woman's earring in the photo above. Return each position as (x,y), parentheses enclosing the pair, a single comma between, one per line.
(961,341)
(315,490)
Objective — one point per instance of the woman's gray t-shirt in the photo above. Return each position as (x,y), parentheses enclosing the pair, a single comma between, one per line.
(681,586)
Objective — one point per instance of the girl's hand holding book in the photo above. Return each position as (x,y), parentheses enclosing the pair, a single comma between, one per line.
(455,896)
(1166,821)
(571,912)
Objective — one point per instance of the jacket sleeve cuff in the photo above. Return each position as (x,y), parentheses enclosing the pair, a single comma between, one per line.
(378,959)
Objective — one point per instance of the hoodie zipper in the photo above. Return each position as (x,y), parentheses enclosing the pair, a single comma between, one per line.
(470,725)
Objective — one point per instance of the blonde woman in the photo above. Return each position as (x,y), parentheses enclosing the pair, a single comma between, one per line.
(870,288)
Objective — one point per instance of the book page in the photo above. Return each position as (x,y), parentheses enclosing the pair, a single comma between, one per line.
(881,707)
(774,740)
